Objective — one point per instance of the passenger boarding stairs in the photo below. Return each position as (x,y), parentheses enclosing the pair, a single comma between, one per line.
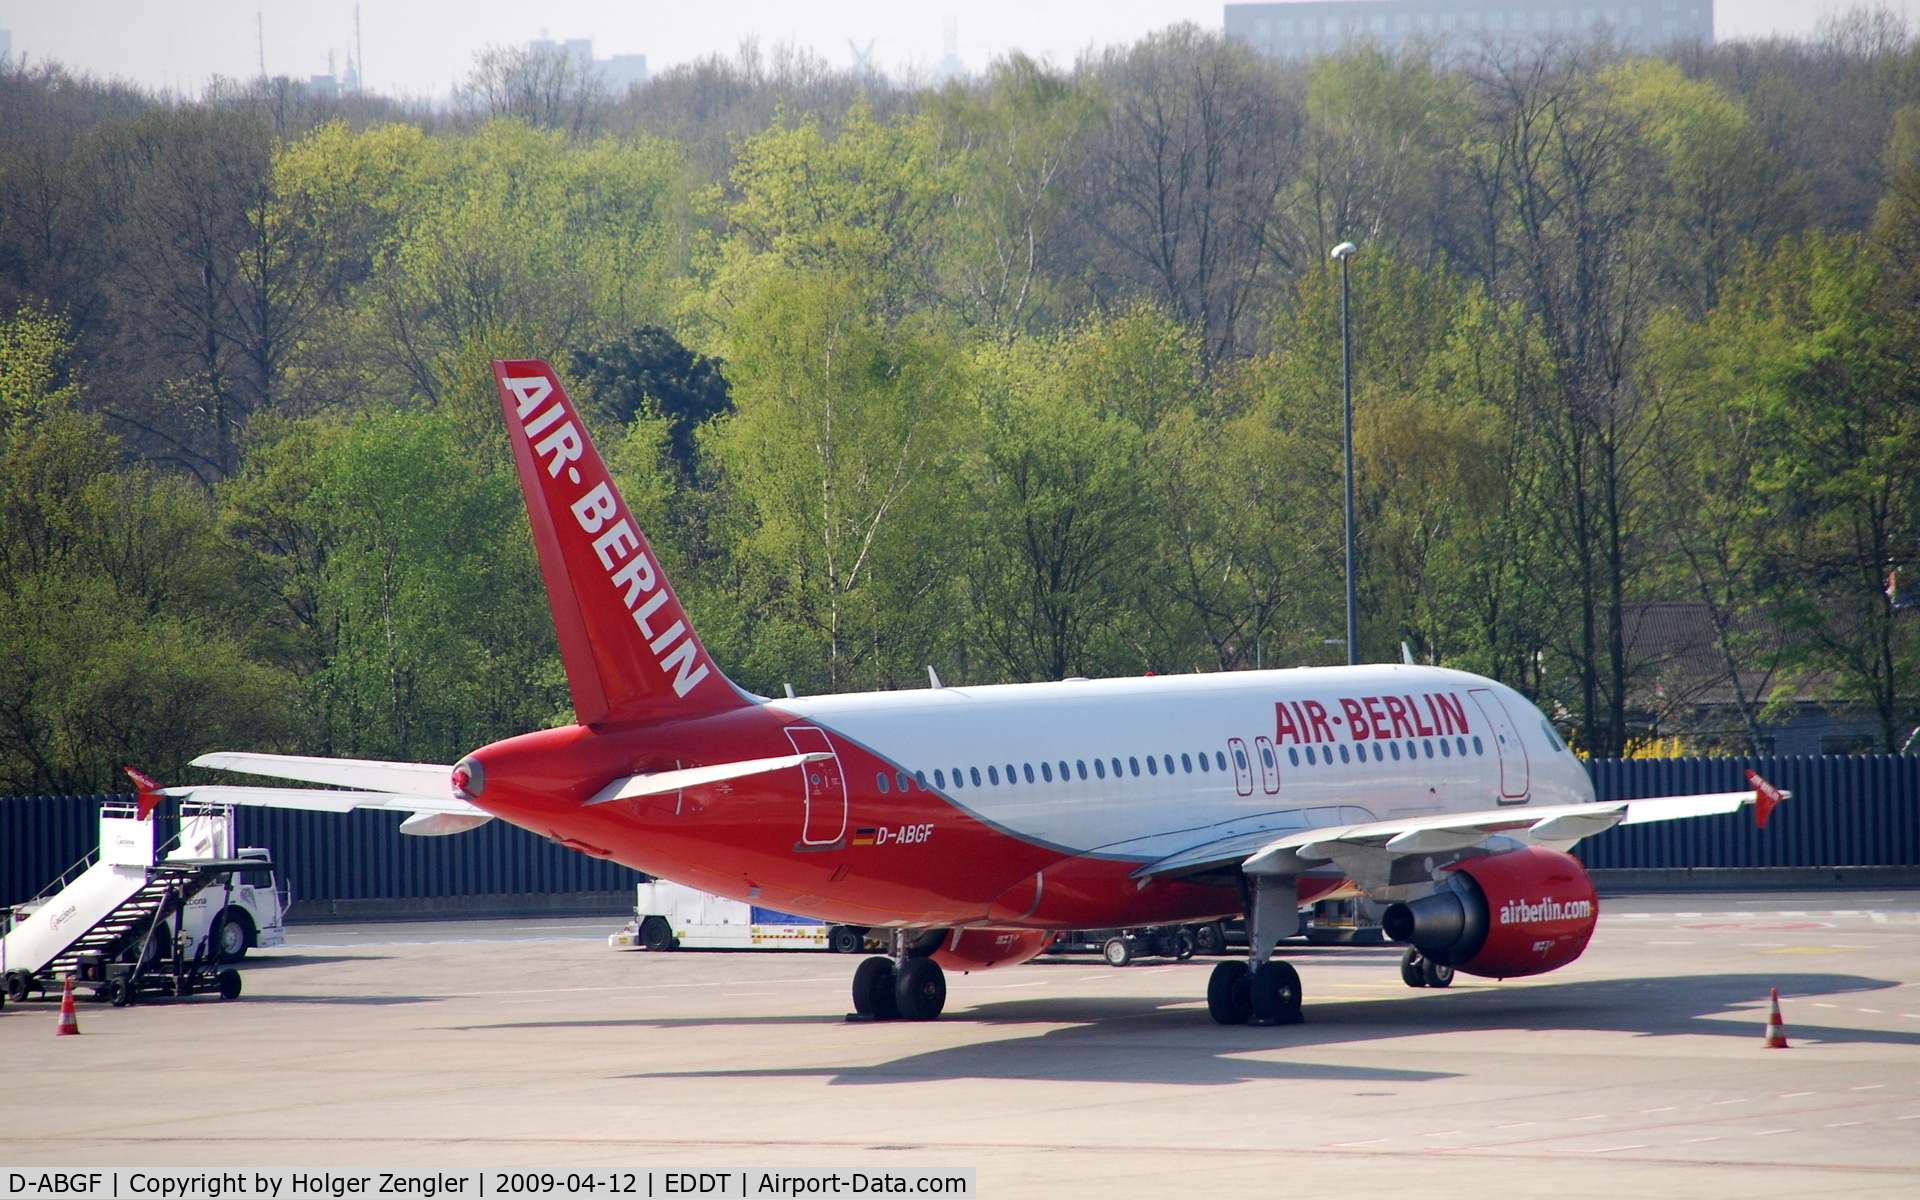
(117,899)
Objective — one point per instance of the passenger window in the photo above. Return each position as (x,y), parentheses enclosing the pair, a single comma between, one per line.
(1100,767)
(1240,758)
(1477,747)
(1081,764)
(993,775)
(881,779)
(1395,748)
(1167,760)
(901,779)
(920,777)
(1186,763)
(1343,754)
(1064,775)
(1012,778)
(1266,756)
(1460,744)
(1046,772)
(1446,751)
(1204,764)
(1116,768)
(1027,768)
(1429,746)
(1309,755)
(1153,768)
(1135,764)
(940,779)
(1378,754)
(973,773)
(1220,759)
(1293,755)
(1413,751)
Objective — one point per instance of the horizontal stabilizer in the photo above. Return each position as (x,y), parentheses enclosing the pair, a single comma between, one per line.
(427,816)
(629,786)
(411,779)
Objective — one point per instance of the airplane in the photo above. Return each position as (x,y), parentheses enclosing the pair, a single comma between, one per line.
(966,823)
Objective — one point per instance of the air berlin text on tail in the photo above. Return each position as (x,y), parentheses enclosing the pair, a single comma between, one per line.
(474,1183)
(629,650)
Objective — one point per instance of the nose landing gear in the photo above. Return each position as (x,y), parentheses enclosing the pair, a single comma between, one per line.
(904,984)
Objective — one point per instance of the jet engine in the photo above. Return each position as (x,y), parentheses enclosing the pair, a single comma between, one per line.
(978,949)
(1521,912)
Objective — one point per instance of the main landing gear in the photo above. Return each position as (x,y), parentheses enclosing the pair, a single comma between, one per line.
(1261,990)
(904,984)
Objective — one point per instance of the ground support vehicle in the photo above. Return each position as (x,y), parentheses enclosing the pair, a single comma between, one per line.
(670,916)
(124,924)
(1347,921)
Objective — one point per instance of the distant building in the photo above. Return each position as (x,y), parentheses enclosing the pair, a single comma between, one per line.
(1682,689)
(950,66)
(619,72)
(1310,27)
(623,71)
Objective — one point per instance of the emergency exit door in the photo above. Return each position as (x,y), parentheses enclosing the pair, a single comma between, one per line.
(825,822)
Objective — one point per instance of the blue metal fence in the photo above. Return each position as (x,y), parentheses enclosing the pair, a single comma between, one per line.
(327,856)
(1858,810)
(1855,810)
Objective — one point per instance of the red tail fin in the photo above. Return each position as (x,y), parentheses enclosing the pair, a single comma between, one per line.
(629,650)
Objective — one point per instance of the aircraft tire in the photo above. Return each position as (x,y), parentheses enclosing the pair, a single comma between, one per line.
(1435,974)
(873,992)
(1276,994)
(844,939)
(1411,971)
(1210,938)
(1229,994)
(920,989)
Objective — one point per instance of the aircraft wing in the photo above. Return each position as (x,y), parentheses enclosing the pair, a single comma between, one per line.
(1369,853)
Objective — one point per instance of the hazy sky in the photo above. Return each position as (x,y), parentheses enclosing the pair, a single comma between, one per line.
(419,47)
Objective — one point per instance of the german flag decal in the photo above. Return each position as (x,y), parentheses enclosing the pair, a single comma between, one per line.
(863,837)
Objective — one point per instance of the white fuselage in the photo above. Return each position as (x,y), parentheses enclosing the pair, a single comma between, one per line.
(1099,751)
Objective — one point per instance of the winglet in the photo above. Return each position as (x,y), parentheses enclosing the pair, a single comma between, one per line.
(150,793)
(1766,798)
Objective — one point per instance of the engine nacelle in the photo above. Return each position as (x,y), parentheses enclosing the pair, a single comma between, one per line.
(979,949)
(1519,913)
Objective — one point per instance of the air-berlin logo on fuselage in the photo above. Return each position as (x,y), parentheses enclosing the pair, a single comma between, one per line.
(1519,912)
(599,511)
(1382,717)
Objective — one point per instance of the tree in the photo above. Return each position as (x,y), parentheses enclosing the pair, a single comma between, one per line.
(1198,143)
(839,460)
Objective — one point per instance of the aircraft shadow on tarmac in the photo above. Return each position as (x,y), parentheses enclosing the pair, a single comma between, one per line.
(1163,1040)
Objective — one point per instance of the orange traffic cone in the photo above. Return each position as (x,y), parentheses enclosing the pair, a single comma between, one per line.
(69,1019)
(1776,1032)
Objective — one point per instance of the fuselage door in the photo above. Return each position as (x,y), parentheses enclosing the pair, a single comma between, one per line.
(1242,766)
(826,819)
(1513,756)
(1269,766)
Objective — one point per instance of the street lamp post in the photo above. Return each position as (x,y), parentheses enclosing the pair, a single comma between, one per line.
(1341,253)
